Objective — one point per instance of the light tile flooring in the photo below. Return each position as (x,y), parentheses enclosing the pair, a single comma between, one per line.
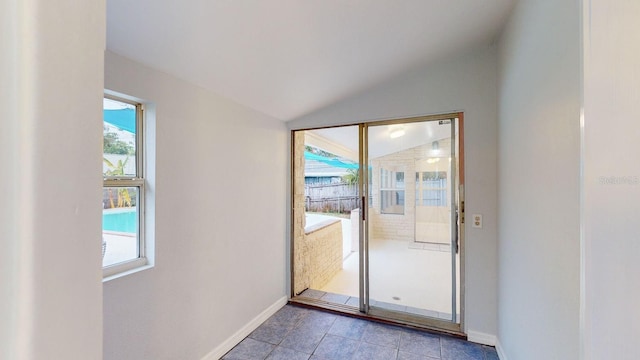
(298,333)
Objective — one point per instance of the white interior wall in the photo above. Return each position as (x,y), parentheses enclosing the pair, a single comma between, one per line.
(51,66)
(538,197)
(611,185)
(9,145)
(464,83)
(36,298)
(220,239)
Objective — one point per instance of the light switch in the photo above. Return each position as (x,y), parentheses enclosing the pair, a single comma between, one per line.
(477,221)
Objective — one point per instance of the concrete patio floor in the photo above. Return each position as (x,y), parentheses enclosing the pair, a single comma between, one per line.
(120,247)
(404,276)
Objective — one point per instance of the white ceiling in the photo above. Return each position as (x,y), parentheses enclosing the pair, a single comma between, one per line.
(287,58)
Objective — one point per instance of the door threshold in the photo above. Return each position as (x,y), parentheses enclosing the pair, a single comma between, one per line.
(384,316)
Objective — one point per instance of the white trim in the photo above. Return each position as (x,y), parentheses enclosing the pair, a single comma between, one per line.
(500,351)
(236,338)
(129,267)
(481,338)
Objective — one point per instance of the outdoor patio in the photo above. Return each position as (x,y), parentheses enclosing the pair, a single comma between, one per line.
(120,247)
(425,288)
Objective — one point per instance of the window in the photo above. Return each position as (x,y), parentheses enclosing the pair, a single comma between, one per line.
(391,192)
(123,191)
(431,188)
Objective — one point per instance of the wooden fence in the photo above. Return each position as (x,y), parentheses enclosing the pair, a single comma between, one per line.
(335,198)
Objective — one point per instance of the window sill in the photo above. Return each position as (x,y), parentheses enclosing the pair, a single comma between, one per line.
(130,267)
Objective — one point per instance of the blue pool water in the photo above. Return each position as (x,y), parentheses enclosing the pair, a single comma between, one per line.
(121,221)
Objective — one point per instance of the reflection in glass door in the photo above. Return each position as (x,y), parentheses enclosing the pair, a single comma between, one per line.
(412,219)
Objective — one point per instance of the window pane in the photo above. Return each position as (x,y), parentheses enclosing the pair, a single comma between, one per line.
(392,201)
(418,200)
(434,185)
(384,181)
(120,219)
(400,180)
(119,141)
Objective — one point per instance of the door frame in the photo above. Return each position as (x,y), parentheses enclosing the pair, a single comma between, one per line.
(378,314)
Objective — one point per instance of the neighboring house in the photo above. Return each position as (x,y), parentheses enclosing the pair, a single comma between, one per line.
(318,171)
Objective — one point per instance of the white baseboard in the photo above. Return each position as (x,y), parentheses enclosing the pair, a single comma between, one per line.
(500,351)
(236,338)
(481,338)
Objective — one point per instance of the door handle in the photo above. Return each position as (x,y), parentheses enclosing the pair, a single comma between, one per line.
(457,237)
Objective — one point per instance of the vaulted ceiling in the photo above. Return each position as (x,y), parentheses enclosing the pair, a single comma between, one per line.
(287,58)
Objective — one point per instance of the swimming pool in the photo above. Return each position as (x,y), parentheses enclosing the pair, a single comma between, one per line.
(120,220)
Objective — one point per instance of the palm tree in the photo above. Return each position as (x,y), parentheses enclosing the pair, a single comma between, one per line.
(115,170)
(351,177)
(124,199)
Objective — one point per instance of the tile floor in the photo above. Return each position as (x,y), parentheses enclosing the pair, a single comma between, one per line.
(298,333)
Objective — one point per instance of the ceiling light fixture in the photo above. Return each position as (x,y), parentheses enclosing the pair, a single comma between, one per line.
(396,132)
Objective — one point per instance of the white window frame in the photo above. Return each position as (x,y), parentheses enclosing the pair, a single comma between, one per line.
(421,188)
(389,178)
(139,182)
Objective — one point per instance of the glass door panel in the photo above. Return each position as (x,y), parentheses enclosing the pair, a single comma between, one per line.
(326,215)
(412,218)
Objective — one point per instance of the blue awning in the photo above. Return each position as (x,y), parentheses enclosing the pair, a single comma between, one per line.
(123,119)
(330,161)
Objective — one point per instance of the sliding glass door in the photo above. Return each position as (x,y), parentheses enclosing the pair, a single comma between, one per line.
(395,188)
(412,219)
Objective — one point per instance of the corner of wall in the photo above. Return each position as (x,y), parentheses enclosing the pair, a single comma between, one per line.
(500,351)
(482,338)
(236,338)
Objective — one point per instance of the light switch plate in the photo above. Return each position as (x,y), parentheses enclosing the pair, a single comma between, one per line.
(476,221)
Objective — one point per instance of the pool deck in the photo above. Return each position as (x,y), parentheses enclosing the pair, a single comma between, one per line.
(120,247)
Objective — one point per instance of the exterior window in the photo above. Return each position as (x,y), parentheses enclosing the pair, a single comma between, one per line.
(391,192)
(123,187)
(431,188)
